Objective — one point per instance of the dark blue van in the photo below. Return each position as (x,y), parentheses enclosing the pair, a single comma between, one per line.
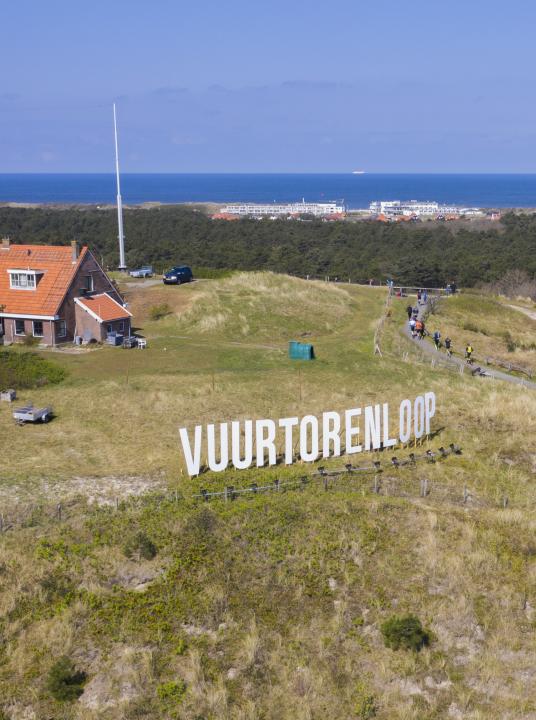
(178,275)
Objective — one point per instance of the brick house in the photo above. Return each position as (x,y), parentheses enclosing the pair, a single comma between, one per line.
(55,293)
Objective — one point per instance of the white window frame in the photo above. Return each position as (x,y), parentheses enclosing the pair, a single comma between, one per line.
(122,326)
(16,276)
(23,333)
(42,327)
(62,325)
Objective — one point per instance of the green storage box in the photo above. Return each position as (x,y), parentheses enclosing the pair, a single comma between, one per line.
(300,351)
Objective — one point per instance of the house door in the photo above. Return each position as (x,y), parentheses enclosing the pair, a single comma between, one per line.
(1,331)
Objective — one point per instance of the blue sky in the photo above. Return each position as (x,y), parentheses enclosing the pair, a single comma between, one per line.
(272,86)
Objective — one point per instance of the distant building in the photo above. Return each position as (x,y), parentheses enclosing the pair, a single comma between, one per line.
(417,208)
(335,208)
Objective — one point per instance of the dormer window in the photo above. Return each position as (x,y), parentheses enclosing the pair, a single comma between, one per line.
(24,279)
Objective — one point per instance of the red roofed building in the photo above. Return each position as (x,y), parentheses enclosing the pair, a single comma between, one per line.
(39,287)
(99,315)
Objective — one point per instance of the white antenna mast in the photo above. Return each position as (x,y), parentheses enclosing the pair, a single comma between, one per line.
(122,265)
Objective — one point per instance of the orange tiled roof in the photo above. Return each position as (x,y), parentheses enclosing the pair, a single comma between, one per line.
(104,307)
(58,268)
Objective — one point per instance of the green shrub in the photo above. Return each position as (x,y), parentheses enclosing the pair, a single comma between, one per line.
(140,546)
(171,691)
(405,632)
(511,344)
(64,682)
(27,370)
(212,273)
(157,312)
(470,327)
(366,706)
(30,341)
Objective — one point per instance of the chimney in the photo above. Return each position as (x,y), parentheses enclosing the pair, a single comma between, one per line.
(5,243)
(75,250)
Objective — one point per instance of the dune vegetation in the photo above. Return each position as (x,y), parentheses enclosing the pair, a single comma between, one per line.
(300,604)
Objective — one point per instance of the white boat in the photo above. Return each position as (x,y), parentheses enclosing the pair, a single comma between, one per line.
(358,172)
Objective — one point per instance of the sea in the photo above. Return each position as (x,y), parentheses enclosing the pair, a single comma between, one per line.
(357,191)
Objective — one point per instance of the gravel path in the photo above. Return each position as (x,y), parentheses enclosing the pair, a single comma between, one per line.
(529,313)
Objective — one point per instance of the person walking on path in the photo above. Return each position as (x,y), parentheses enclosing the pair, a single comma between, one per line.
(468,353)
(425,297)
(412,324)
(419,327)
(437,339)
(418,297)
(448,346)
(409,311)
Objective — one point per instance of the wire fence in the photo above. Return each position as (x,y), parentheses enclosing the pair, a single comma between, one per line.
(376,478)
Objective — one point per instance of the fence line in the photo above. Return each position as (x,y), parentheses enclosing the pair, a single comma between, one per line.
(381,322)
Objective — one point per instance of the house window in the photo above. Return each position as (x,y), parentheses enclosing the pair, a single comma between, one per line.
(87,283)
(19,327)
(109,328)
(38,328)
(121,327)
(22,280)
(62,329)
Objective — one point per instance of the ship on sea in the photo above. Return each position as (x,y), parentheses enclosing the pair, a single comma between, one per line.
(358,172)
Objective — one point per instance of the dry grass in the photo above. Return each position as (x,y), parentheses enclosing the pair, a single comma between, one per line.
(271,606)
(493,329)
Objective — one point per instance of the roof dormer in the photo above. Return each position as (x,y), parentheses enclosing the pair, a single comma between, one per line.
(24,279)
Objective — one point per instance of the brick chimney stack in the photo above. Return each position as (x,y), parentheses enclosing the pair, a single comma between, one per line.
(5,243)
(75,250)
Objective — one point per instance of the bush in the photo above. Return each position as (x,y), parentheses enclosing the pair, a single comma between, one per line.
(171,691)
(471,327)
(30,341)
(511,344)
(405,632)
(27,370)
(157,312)
(140,546)
(64,682)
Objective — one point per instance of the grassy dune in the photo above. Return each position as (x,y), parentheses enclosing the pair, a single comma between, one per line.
(493,328)
(221,353)
(270,606)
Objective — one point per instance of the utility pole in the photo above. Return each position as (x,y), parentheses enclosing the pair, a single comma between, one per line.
(122,264)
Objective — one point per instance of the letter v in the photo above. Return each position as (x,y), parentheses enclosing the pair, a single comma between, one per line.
(192,462)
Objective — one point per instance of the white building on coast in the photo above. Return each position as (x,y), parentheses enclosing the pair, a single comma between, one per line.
(325,209)
(416,208)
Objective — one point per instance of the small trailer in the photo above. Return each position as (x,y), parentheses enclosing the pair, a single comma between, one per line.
(32,414)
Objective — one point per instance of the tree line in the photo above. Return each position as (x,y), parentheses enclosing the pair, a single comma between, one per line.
(427,254)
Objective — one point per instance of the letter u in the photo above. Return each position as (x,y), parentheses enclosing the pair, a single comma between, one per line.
(211,448)
(238,462)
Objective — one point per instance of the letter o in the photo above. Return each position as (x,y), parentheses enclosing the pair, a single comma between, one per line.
(405,421)
(306,422)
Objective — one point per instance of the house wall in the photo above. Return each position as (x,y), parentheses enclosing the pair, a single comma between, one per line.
(10,337)
(101,284)
(85,323)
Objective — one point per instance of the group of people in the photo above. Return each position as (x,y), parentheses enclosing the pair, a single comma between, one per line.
(422,297)
(418,330)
